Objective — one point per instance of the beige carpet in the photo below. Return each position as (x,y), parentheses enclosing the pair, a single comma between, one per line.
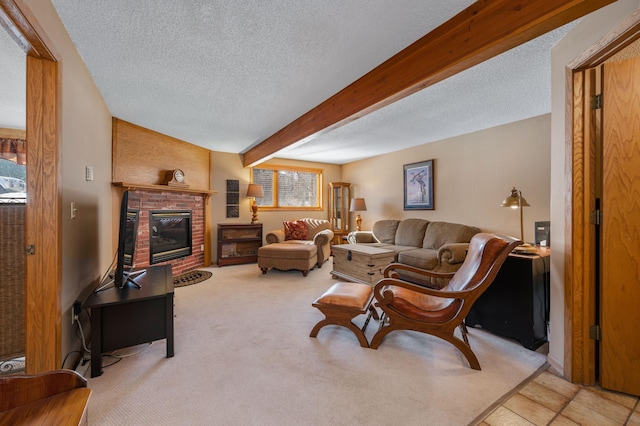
(243,356)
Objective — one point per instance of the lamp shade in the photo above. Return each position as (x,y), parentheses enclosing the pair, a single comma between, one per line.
(255,191)
(514,200)
(358,205)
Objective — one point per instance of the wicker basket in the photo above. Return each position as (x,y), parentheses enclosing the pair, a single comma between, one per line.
(12,280)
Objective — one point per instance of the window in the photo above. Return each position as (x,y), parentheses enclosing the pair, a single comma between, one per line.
(289,188)
(12,182)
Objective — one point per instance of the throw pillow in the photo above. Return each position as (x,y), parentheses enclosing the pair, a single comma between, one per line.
(295,230)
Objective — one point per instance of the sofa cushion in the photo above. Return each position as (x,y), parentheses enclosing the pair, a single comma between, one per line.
(295,230)
(385,230)
(441,233)
(411,232)
(420,258)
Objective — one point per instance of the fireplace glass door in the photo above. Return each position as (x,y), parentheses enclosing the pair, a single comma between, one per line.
(169,235)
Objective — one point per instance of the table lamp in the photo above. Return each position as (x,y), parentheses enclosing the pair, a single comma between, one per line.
(358,205)
(254,191)
(517,201)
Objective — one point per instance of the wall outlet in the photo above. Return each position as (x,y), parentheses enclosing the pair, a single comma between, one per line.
(75,311)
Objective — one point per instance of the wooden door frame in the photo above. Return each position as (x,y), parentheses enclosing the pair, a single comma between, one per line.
(580,305)
(43,219)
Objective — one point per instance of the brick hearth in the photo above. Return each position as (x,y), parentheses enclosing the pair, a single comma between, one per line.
(145,201)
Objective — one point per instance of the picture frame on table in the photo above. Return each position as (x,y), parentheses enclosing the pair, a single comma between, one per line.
(418,185)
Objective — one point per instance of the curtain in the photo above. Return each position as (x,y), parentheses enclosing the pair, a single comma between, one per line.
(14,150)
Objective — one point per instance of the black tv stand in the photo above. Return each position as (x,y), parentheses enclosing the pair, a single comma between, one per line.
(123,317)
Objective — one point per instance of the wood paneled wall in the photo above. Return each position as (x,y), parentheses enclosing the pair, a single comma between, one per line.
(143,156)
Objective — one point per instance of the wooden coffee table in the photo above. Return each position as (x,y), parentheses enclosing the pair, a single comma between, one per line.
(360,263)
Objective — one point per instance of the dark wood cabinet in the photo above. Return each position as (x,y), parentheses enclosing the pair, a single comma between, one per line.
(238,243)
(516,304)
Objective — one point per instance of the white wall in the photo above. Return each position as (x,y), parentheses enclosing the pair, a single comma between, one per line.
(473,174)
(584,35)
(84,125)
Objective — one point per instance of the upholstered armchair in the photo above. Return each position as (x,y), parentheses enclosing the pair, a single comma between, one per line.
(305,231)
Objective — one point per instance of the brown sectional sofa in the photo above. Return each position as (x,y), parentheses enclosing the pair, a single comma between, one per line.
(435,246)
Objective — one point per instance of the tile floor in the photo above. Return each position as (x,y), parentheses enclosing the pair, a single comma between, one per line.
(550,400)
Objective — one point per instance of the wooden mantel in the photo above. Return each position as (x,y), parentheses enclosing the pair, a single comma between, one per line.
(148,187)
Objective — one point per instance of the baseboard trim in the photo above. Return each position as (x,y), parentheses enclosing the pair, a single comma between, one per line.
(556,365)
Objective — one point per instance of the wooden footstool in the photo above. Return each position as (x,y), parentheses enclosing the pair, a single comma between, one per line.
(343,302)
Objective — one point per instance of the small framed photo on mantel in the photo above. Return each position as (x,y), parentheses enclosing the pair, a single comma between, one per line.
(418,186)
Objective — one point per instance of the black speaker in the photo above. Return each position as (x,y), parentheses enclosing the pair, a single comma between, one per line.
(542,231)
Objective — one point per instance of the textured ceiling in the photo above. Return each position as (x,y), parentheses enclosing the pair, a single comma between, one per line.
(227,74)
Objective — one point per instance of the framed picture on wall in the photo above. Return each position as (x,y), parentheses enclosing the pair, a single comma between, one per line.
(418,186)
(233,198)
(233,211)
(233,185)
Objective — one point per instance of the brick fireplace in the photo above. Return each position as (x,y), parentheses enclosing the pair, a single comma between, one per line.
(145,201)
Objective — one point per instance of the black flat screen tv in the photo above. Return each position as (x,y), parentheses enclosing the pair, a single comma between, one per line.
(127,235)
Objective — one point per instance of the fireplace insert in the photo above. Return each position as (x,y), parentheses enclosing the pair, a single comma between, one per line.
(169,235)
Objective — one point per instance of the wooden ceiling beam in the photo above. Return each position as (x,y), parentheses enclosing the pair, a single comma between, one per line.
(482,31)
